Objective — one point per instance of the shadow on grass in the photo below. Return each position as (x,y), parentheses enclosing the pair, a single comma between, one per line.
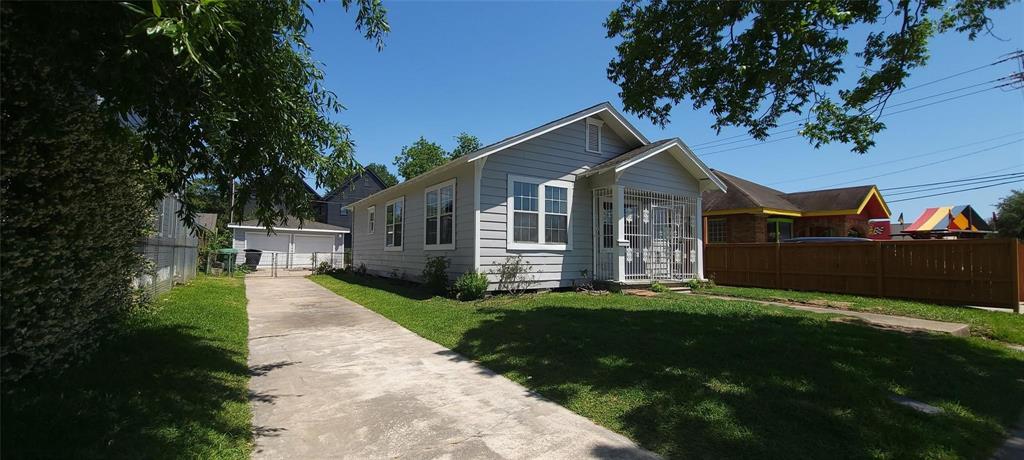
(158,391)
(407,289)
(740,384)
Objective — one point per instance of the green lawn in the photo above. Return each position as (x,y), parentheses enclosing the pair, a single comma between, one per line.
(688,376)
(172,385)
(1007,327)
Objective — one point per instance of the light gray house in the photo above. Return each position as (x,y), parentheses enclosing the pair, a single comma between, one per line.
(583,196)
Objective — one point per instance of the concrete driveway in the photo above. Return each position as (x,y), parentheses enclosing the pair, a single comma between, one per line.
(332,379)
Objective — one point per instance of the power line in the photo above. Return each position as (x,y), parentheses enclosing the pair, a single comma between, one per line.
(958,184)
(957,191)
(948,181)
(957,157)
(1000,61)
(883,116)
(899,159)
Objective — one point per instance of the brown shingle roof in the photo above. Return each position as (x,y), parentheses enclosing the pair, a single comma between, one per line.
(744,194)
(624,157)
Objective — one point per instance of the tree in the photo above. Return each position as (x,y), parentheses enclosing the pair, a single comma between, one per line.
(420,157)
(1010,215)
(423,155)
(754,62)
(382,172)
(213,88)
(467,143)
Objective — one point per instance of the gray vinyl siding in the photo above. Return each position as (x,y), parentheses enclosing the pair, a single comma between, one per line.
(368,248)
(660,173)
(560,154)
(358,189)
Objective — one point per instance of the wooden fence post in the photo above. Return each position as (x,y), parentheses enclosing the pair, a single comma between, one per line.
(880,270)
(1017,274)
(778,265)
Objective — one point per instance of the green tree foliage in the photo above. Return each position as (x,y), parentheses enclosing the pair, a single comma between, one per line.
(214,88)
(1010,215)
(420,157)
(753,62)
(75,204)
(423,155)
(467,143)
(108,106)
(382,172)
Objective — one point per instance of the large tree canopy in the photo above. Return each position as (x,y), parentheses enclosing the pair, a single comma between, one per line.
(382,172)
(1010,215)
(753,62)
(423,155)
(216,89)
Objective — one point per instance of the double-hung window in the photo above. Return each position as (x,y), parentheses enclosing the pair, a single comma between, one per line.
(371,217)
(394,218)
(539,213)
(439,216)
(717,230)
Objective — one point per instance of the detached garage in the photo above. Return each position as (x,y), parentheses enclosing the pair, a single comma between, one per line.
(295,246)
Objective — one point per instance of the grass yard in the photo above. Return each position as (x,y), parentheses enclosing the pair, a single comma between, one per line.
(172,385)
(687,376)
(1007,327)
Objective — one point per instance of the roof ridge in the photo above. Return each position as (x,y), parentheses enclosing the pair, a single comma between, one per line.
(780,194)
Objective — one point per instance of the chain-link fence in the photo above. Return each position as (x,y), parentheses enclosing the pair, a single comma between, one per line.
(276,264)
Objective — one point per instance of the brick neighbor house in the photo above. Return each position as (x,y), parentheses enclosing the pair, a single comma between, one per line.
(752,213)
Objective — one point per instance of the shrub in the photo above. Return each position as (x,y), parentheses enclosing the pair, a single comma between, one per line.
(700,285)
(361,270)
(324,268)
(514,275)
(658,287)
(74,210)
(471,286)
(435,274)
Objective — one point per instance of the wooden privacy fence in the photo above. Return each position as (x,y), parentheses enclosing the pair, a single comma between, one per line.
(971,272)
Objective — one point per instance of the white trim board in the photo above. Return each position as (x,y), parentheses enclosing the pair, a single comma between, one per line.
(286,229)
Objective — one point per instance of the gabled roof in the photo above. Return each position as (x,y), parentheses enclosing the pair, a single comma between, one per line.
(675,146)
(308,225)
(352,178)
(745,196)
(612,118)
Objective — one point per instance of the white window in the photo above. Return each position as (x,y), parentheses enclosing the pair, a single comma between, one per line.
(539,213)
(594,135)
(344,211)
(371,218)
(394,218)
(439,216)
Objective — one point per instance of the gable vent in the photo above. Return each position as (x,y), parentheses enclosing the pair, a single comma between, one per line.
(593,136)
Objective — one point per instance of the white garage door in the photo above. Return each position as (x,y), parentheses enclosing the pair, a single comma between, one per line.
(306,245)
(267,243)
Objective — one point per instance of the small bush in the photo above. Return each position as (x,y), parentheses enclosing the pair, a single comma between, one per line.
(514,275)
(658,287)
(324,268)
(701,285)
(361,271)
(470,286)
(435,274)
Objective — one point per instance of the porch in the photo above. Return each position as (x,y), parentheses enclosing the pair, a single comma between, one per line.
(642,236)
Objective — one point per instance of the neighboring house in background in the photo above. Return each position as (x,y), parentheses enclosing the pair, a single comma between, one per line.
(356,187)
(294,242)
(315,201)
(752,213)
(948,222)
(173,249)
(586,196)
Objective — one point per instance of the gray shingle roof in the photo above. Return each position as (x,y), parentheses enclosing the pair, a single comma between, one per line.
(293,223)
(622,158)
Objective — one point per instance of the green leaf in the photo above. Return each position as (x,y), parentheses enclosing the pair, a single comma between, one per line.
(156,8)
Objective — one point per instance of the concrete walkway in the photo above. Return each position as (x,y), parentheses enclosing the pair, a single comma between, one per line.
(332,379)
(888,321)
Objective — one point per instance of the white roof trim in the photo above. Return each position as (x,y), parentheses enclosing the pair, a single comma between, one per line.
(689,156)
(515,140)
(286,229)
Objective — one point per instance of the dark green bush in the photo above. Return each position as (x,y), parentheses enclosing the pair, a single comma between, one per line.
(435,274)
(470,286)
(74,210)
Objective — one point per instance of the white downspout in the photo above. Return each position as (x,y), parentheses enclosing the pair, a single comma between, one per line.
(700,240)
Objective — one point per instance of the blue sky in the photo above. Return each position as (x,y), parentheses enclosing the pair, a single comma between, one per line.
(495,69)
